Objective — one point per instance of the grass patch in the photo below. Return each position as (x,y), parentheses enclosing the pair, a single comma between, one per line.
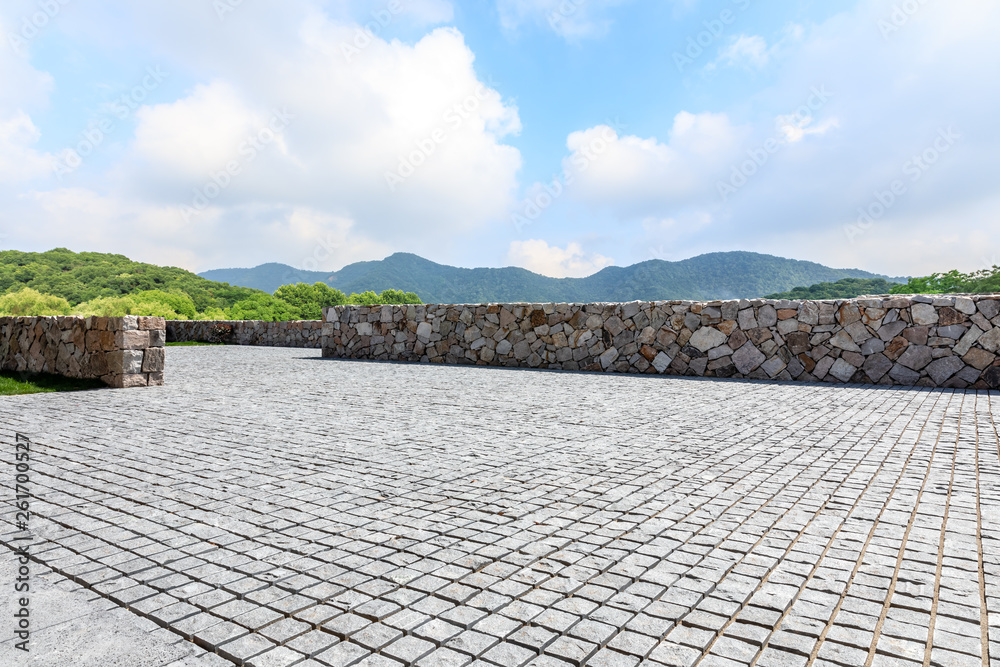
(190,343)
(15,384)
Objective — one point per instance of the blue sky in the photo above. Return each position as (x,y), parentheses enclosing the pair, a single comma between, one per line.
(558,135)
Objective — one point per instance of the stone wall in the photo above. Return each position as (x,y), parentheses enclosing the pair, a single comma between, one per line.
(942,341)
(121,351)
(305,333)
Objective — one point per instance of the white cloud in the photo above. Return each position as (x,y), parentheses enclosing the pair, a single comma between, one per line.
(570,19)
(550,260)
(638,177)
(354,119)
(795,128)
(18,160)
(81,219)
(359,122)
(746,51)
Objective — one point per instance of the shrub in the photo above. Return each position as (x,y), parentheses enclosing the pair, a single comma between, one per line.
(30,303)
(309,300)
(979,282)
(262,306)
(389,296)
(158,303)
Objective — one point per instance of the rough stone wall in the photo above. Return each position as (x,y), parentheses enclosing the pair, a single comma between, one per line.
(303,333)
(940,341)
(121,351)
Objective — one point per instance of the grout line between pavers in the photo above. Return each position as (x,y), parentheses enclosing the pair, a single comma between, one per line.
(984,634)
(928,649)
(816,565)
(833,539)
(871,533)
(902,547)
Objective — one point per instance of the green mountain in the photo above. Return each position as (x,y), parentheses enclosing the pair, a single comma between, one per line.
(80,277)
(720,275)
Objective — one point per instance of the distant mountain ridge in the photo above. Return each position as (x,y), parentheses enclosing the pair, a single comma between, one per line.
(718,275)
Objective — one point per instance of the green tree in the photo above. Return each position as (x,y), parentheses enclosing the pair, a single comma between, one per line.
(263,306)
(387,297)
(398,296)
(367,298)
(985,281)
(309,300)
(31,303)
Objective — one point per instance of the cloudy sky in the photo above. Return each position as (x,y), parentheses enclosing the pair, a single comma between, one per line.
(558,135)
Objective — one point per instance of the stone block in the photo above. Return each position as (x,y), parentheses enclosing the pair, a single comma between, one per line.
(948,316)
(979,359)
(858,332)
(152,360)
(707,338)
(968,340)
(842,370)
(992,377)
(848,314)
(942,369)
(916,357)
(97,364)
(773,366)
(853,358)
(748,358)
(119,381)
(746,319)
(124,362)
(151,323)
(990,341)
(797,342)
(965,305)
(823,367)
(132,339)
(954,331)
(990,308)
(844,341)
(661,362)
(890,330)
(808,313)
(767,316)
(608,358)
(872,346)
(876,366)
(903,375)
(916,335)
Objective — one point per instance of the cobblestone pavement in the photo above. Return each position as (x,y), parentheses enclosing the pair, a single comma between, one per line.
(280,509)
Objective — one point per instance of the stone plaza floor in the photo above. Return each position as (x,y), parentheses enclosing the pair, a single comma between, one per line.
(271,508)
